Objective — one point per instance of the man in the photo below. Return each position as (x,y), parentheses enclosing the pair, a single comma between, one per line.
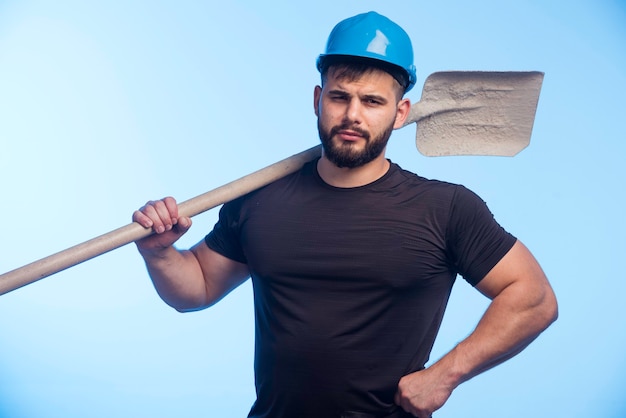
(352,258)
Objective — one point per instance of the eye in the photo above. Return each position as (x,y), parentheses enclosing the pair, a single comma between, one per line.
(372,102)
(338,97)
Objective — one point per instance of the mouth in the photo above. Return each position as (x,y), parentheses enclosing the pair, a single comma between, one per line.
(350,135)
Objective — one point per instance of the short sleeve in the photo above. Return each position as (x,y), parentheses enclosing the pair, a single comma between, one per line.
(475,239)
(225,238)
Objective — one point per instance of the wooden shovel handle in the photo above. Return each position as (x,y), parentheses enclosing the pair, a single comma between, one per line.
(77,254)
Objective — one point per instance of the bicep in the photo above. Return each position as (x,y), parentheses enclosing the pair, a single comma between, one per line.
(517,270)
(221,274)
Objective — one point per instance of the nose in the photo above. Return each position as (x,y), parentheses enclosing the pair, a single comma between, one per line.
(353,111)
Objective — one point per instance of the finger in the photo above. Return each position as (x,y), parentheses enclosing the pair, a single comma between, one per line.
(142,219)
(183,224)
(158,217)
(422,413)
(164,215)
(172,208)
(406,404)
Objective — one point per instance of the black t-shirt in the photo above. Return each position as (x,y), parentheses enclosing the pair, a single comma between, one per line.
(350,284)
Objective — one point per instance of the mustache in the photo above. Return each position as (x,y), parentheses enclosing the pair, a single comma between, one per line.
(347,126)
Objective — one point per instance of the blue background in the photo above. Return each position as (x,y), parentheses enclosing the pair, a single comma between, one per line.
(105,105)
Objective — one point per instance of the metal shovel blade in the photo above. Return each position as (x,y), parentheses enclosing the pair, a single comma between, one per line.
(476,112)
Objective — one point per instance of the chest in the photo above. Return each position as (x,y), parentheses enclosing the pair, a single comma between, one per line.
(369,239)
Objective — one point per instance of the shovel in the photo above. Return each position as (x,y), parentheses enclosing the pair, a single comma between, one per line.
(459,113)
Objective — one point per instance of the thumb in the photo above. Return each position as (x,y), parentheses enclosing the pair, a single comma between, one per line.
(182,225)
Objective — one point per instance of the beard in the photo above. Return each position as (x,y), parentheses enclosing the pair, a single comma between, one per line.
(346,155)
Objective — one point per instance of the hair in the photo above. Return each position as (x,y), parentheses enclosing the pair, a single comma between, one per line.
(352,68)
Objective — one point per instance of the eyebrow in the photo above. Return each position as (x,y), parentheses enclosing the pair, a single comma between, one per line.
(374,97)
(339,92)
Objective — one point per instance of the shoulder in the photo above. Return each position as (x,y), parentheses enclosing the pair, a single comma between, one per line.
(276,190)
(409,180)
(398,171)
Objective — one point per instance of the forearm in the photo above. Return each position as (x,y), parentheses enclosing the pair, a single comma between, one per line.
(177,278)
(522,306)
(510,323)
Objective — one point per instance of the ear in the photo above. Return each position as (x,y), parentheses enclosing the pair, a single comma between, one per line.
(402,111)
(317,94)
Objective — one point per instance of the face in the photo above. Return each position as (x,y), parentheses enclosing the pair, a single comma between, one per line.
(356,117)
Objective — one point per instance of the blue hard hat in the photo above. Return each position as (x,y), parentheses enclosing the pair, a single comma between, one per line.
(371,35)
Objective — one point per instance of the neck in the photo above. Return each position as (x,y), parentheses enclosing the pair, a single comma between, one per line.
(352,177)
